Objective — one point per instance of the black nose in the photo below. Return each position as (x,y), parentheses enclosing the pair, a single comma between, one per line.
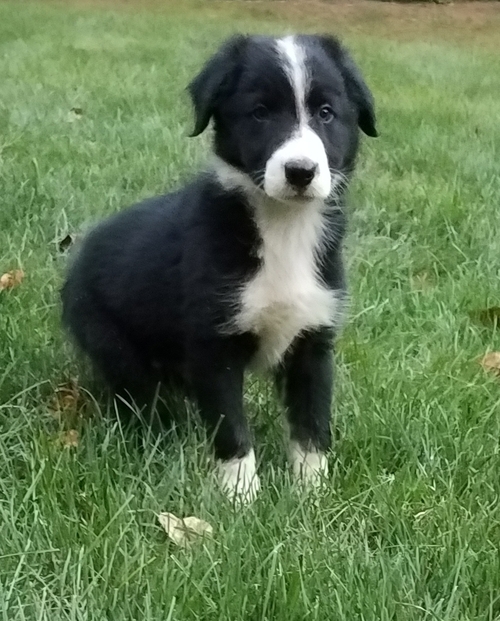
(300,173)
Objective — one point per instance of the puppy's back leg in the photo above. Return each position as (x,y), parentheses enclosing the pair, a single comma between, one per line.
(128,375)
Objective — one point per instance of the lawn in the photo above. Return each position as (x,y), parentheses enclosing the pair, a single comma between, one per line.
(409,527)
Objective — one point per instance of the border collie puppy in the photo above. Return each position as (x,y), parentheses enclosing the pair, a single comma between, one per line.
(243,267)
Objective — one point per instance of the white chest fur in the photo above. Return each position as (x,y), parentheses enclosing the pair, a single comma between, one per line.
(285,297)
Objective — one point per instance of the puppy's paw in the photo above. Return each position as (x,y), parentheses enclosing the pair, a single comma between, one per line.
(238,479)
(310,467)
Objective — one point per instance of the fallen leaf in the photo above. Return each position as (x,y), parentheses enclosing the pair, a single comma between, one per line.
(184,531)
(486,316)
(69,439)
(491,362)
(65,243)
(67,401)
(11,279)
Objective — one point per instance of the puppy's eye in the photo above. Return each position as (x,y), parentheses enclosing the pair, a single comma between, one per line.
(260,113)
(326,113)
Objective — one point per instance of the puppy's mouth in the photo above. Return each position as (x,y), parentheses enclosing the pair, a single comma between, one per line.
(299,196)
(285,192)
(292,194)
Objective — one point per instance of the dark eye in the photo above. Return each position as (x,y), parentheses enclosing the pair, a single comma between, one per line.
(260,113)
(326,113)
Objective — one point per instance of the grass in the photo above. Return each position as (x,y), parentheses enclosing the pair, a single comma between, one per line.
(409,528)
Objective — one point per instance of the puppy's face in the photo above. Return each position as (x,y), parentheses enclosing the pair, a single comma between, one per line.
(286,114)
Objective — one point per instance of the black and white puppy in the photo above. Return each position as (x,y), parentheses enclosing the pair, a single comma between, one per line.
(243,267)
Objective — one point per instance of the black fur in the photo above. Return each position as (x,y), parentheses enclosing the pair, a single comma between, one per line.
(151,289)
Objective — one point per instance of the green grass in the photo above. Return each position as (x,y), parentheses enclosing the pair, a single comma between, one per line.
(409,528)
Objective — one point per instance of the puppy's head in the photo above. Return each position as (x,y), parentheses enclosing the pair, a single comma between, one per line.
(286,114)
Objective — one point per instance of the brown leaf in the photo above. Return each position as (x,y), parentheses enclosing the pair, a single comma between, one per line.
(487,316)
(491,362)
(184,531)
(11,279)
(67,401)
(69,439)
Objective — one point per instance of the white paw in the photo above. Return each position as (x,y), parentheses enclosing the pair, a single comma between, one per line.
(309,467)
(238,478)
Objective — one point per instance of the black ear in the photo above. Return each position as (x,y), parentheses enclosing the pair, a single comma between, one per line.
(356,87)
(213,80)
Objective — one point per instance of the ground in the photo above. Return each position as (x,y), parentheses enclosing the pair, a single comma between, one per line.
(93,116)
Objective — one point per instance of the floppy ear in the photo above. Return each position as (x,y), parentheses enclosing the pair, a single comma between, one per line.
(213,80)
(356,88)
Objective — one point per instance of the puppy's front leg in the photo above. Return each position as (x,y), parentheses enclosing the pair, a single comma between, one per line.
(216,373)
(307,379)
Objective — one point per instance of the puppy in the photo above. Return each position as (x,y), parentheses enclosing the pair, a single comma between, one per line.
(242,267)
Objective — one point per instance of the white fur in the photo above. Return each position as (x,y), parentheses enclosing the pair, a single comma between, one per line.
(304,143)
(238,478)
(285,296)
(309,467)
(233,179)
(293,60)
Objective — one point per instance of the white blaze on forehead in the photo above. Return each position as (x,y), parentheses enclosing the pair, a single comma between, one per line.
(303,144)
(293,59)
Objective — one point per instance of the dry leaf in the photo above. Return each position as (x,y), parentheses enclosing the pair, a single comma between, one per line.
(184,531)
(486,316)
(491,362)
(69,438)
(11,279)
(67,401)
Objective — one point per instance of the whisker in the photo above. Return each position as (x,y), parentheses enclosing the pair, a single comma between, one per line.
(258,178)
(340,181)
